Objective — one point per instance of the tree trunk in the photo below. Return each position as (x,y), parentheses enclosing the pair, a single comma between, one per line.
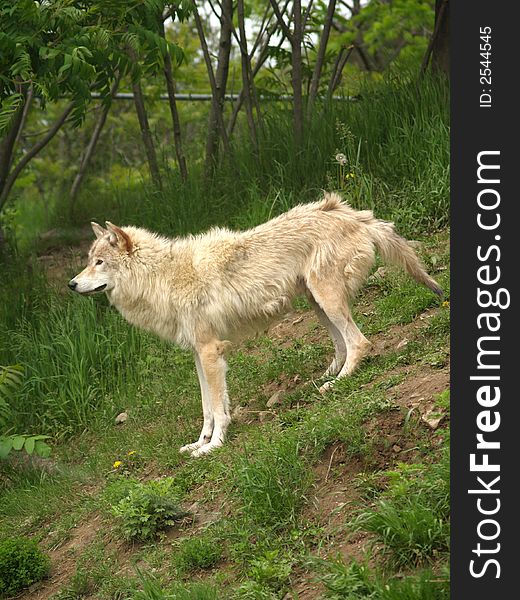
(296,76)
(10,140)
(263,55)
(146,134)
(315,81)
(218,80)
(30,154)
(91,146)
(247,82)
(439,46)
(176,123)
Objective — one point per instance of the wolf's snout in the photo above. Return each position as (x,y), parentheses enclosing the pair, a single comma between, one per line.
(73,284)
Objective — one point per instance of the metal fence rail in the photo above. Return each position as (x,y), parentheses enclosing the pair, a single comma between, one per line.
(208,97)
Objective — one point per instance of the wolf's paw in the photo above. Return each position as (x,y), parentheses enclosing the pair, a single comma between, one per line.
(198,452)
(326,387)
(190,447)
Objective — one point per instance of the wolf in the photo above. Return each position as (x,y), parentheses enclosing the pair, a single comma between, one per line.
(205,292)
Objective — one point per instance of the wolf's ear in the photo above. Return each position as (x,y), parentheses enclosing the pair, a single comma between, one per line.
(118,237)
(98,230)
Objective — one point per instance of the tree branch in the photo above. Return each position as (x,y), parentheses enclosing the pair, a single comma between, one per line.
(281,22)
(30,154)
(324,38)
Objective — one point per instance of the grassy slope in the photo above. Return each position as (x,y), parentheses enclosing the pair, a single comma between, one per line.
(264,499)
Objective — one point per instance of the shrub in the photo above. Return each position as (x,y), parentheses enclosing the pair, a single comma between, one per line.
(271,571)
(198,553)
(147,508)
(21,564)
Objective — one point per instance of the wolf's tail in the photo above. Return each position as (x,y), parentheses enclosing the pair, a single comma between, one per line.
(397,251)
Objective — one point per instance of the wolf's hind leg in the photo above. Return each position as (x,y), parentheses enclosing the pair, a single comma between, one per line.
(213,365)
(340,349)
(332,299)
(207,410)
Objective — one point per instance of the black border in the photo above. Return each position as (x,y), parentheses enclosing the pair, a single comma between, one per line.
(475,129)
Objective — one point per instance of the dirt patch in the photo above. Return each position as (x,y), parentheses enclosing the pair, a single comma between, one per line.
(301,324)
(422,388)
(304,325)
(396,337)
(64,558)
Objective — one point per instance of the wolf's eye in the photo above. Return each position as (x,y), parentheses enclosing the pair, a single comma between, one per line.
(99,261)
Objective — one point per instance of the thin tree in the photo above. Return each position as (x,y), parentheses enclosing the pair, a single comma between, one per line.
(217,79)
(9,142)
(358,44)
(247,80)
(263,39)
(341,60)
(295,38)
(146,134)
(176,123)
(324,38)
(439,46)
(91,146)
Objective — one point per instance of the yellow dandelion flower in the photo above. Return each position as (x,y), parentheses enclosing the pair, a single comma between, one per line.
(446,303)
(117,464)
(131,453)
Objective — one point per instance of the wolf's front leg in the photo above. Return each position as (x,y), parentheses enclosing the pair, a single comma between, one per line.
(207,410)
(214,368)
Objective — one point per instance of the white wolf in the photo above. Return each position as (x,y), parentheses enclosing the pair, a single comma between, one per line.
(203,291)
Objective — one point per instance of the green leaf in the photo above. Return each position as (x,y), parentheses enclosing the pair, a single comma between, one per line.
(6,444)
(18,442)
(42,449)
(29,445)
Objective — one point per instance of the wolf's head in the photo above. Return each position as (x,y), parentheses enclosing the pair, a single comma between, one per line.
(104,260)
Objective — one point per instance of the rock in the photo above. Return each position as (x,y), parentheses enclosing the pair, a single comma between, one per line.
(275,399)
(433,418)
(121,418)
(380,273)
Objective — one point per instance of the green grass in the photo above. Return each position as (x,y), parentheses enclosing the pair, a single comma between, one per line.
(270,480)
(356,582)
(77,357)
(264,474)
(153,590)
(411,517)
